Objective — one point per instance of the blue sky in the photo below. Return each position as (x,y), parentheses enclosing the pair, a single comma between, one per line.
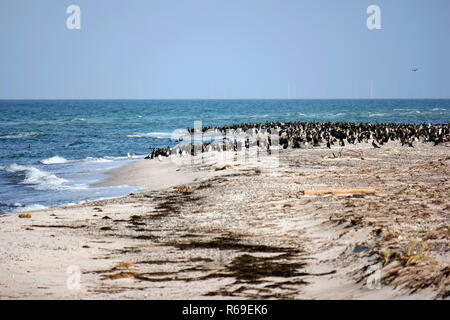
(174,49)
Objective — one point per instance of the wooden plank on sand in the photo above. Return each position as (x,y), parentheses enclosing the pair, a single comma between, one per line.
(340,191)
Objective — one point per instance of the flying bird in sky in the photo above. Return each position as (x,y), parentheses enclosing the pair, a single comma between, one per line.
(415,69)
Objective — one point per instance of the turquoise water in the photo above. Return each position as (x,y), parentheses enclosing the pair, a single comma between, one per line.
(51,151)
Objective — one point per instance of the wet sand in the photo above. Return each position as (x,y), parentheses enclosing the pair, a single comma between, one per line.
(247,231)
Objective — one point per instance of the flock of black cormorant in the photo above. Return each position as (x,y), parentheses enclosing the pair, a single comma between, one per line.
(315,134)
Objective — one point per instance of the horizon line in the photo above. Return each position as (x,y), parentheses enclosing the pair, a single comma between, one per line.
(208,99)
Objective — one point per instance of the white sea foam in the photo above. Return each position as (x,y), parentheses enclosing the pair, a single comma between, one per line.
(11,205)
(54,160)
(40,180)
(97,160)
(176,135)
(22,135)
(31,207)
(407,111)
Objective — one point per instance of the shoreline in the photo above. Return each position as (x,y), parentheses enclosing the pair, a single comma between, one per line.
(152,175)
(197,242)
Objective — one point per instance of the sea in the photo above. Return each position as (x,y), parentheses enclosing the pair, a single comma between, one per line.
(53,151)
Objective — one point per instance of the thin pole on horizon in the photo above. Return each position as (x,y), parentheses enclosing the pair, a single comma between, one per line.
(371,89)
(211,91)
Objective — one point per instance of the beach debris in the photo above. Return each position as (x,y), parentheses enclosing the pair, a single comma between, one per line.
(107,228)
(98,209)
(122,275)
(347,153)
(417,251)
(25,215)
(340,191)
(204,186)
(184,189)
(375,233)
(59,226)
(417,278)
(124,265)
(360,249)
(227,166)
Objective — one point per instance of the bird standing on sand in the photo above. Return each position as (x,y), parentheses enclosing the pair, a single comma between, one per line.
(375,145)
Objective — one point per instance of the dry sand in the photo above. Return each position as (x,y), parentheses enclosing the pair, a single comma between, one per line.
(247,231)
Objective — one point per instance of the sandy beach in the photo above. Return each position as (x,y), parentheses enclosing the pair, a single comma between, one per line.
(230,227)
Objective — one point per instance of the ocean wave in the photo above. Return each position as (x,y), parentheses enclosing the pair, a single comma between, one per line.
(30,207)
(406,111)
(10,205)
(176,135)
(54,160)
(74,143)
(97,160)
(40,180)
(22,135)
(258,116)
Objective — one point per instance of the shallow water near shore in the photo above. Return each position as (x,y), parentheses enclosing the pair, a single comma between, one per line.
(52,151)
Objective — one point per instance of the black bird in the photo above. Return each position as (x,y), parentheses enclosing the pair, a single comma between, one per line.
(375,145)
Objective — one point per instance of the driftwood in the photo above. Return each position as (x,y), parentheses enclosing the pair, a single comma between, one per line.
(227,166)
(340,191)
